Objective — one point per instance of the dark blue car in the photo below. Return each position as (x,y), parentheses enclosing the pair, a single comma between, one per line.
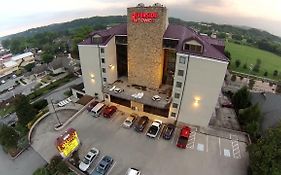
(103,166)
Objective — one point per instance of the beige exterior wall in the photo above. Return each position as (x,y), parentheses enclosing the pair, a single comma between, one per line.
(90,64)
(145,49)
(204,80)
(110,61)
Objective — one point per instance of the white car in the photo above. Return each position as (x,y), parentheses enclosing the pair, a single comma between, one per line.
(133,171)
(156,98)
(118,90)
(88,159)
(3,81)
(130,121)
(154,129)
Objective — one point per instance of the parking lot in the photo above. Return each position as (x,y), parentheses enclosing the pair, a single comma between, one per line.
(205,154)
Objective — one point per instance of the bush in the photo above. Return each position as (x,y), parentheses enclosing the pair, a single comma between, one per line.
(245,66)
(265,74)
(8,137)
(237,63)
(233,78)
(40,104)
(275,73)
(41,171)
(241,99)
(251,83)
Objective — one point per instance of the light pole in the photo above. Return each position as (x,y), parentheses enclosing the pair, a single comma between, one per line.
(56,114)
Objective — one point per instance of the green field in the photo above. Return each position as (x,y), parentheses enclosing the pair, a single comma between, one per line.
(249,55)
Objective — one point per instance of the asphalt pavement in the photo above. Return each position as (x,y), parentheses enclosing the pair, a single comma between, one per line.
(25,164)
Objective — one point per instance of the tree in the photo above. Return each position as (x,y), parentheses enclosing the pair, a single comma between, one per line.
(237,63)
(275,73)
(245,66)
(250,119)
(241,99)
(47,58)
(265,74)
(227,54)
(57,165)
(256,67)
(8,137)
(265,154)
(24,109)
(41,171)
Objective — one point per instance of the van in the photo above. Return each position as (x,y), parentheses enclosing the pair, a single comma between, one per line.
(97,109)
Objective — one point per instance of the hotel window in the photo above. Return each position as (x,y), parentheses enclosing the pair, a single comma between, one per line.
(101,50)
(182,60)
(102,60)
(178,84)
(104,79)
(103,70)
(193,48)
(175,105)
(173,114)
(180,72)
(177,95)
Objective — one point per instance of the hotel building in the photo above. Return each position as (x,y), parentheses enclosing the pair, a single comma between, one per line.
(148,57)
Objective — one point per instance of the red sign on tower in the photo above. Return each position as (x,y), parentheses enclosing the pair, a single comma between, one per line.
(144,17)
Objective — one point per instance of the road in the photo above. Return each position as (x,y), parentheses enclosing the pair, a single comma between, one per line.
(21,89)
(25,164)
(57,94)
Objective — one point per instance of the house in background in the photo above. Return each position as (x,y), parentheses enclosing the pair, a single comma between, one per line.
(62,64)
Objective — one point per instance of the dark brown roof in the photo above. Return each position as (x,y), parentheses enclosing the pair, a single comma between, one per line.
(181,33)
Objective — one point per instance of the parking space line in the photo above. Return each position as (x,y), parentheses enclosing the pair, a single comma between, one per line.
(160,132)
(191,140)
(175,136)
(207,138)
(114,163)
(220,145)
(236,149)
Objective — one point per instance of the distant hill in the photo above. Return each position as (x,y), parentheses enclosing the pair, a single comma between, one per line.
(248,33)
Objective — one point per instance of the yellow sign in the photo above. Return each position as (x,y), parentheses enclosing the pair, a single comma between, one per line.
(67,143)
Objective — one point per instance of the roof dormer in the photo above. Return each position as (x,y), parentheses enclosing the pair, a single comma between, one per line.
(193,45)
(96,39)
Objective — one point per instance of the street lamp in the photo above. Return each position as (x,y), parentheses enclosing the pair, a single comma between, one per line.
(60,124)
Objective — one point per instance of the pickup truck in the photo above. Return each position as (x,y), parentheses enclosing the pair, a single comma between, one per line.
(183,138)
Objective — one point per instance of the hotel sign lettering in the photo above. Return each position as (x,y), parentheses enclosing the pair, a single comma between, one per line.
(144,17)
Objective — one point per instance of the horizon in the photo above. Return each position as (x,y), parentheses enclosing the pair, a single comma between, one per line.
(208,22)
(254,14)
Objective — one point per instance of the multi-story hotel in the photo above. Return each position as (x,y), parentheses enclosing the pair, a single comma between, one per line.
(155,68)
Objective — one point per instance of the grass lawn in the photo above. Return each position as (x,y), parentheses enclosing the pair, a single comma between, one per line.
(7,109)
(249,55)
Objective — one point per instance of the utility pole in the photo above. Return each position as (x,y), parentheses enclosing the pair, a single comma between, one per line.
(56,114)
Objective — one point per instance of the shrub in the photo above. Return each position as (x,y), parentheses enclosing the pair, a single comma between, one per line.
(8,137)
(233,78)
(237,63)
(275,73)
(40,104)
(245,66)
(265,74)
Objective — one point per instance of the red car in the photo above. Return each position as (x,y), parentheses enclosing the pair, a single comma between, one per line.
(183,138)
(109,111)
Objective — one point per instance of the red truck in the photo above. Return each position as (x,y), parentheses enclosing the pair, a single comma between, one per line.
(183,138)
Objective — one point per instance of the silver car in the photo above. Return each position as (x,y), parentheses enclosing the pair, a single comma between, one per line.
(128,123)
(88,159)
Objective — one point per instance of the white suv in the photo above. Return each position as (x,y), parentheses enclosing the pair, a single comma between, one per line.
(154,129)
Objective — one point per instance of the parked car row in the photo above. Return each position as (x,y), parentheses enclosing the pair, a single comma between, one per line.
(154,129)
(97,109)
(104,164)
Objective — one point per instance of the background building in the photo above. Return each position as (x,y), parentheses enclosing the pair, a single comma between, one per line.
(148,57)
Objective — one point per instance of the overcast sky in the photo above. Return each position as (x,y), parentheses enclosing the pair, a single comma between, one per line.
(20,15)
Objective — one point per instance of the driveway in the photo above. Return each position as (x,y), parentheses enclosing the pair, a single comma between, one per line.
(25,164)
(205,154)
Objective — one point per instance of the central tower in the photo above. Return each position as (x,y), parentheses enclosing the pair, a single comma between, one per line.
(145,29)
